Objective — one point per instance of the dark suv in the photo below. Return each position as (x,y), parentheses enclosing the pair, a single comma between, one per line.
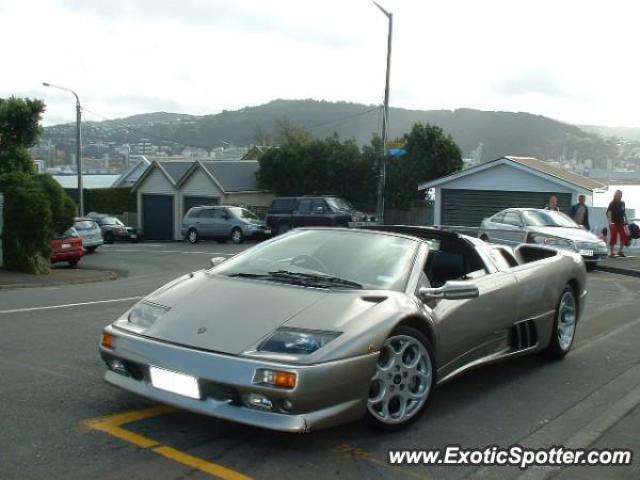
(286,213)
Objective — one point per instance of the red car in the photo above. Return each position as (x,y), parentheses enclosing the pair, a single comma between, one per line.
(67,248)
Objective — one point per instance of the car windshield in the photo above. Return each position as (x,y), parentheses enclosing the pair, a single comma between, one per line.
(339,204)
(328,259)
(110,221)
(548,218)
(84,225)
(243,213)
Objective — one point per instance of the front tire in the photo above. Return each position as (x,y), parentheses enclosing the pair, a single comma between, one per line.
(91,249)
(564,326)
(591,266)
(403,380)
(284,228)
(236,236)
(108,237)
(193,236)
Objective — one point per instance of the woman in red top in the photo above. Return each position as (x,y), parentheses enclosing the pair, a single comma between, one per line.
(617,220)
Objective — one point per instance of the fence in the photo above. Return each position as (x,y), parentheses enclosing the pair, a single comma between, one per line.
(418,214)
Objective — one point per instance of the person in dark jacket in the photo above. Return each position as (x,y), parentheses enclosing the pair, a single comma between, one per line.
(617,216)
(580,213)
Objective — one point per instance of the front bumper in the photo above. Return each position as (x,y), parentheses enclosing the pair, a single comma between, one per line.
(325,394)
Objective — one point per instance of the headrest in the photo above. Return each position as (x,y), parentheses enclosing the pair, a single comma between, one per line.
(446,266)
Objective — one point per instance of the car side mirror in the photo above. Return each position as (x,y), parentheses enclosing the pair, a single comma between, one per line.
(452,290)
(215,261)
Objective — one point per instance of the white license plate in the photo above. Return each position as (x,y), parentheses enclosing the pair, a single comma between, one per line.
(174,382)
(134,236)
(66,245)
(267,231)
(586,253)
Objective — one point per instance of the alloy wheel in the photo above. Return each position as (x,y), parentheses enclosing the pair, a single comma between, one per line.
(402,381)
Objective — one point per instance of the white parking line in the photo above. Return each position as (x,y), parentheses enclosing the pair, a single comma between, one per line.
(67,305)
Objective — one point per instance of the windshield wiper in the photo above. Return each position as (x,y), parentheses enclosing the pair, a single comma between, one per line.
(316,279)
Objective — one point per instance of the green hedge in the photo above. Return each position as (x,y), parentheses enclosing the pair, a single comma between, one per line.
(106,200)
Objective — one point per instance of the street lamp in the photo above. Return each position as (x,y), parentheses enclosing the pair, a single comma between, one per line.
(78,144)
(385,118)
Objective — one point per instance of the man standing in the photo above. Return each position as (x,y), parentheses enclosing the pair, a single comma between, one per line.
(580,213)
(617,220)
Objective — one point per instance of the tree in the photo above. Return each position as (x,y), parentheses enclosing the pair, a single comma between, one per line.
(19,130)
(36,207)
(431,154)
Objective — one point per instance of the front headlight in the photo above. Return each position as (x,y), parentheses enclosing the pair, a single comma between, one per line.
(555,242)
(296,341)
(144,314)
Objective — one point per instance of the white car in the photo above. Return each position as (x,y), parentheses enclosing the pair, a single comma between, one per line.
(514,226)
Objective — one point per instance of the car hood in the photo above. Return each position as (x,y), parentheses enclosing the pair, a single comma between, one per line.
(577,234)
(229,315)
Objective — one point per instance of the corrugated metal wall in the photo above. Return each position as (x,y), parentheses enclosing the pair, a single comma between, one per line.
(469,207)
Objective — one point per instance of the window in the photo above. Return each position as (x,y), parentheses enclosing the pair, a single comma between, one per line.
(304,205)
(498,218)
(542,218)
(512,218)
(209,213)
(283,204)
(319,202)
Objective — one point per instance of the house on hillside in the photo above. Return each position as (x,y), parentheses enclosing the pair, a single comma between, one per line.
(466,197)
(168,188)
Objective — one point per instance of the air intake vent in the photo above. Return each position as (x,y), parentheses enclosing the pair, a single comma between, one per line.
(524,335)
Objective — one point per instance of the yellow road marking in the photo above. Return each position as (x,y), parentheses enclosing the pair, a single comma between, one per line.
(362,454)
(200,464)
(113,426)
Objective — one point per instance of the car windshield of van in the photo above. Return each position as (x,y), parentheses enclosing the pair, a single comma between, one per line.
(539,218)
(110,221)
(243,213)
(339,204)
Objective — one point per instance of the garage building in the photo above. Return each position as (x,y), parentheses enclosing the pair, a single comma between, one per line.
(167,189)
(466,197)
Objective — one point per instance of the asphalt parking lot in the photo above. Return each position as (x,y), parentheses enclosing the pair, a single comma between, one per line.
(59,420)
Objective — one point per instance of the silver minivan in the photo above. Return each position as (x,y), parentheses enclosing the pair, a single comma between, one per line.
(222,223)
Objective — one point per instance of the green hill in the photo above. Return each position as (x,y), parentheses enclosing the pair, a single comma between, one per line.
(499,133)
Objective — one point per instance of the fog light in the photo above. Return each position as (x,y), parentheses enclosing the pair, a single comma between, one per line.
(286,405)
(257,400)
(108,341)
(276,378)
(118,367)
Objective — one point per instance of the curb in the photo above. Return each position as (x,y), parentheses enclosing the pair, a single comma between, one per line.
(620,271)
(108,276)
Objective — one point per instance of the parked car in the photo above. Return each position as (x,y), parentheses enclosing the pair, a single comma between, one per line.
(113,229)
(514,226)
(67,247)
(222,223)
(322,326)
(90,233)
(286,213)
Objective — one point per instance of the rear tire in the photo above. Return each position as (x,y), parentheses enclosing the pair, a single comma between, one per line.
(193,236)
(564,326)
(236,236)
(403,381)
(484,238)
(74,263)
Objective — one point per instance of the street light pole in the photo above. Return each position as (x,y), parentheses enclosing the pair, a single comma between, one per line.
(78,144)
(385,119)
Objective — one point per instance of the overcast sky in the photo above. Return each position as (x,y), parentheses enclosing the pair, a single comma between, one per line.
(575,61)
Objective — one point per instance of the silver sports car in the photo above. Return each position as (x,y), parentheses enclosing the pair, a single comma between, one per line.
(323,326)
(514,226)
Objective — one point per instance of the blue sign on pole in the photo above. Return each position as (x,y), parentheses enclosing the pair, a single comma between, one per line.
(396,152)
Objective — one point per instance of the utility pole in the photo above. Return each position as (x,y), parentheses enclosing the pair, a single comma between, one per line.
(385,119)
(78,144)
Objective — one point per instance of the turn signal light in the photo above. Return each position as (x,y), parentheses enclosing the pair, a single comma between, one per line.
(275,377)
(108,341)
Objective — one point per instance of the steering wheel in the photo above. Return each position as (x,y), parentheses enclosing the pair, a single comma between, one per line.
(304,260)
